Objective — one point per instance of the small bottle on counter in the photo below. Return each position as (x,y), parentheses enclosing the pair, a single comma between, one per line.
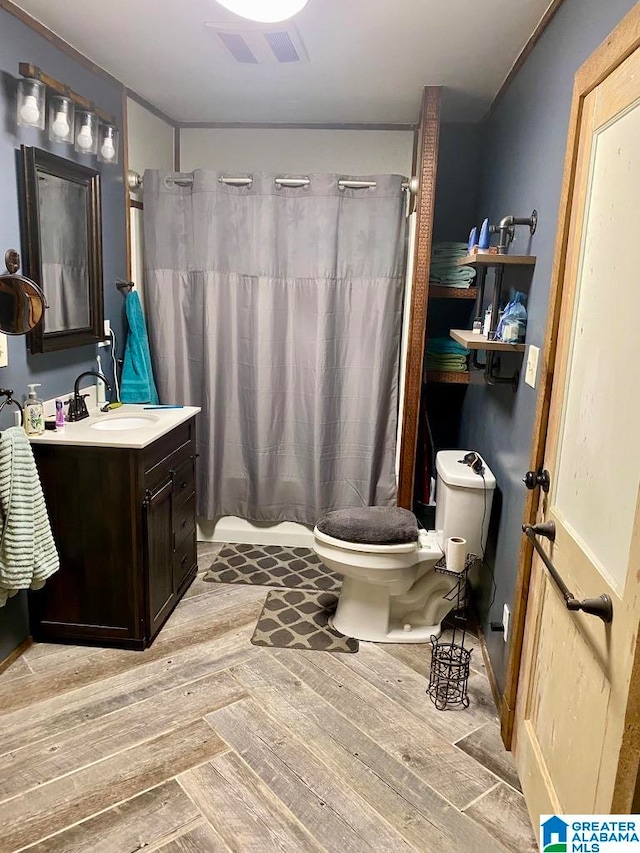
(487,322)
(33,412)
(60,421)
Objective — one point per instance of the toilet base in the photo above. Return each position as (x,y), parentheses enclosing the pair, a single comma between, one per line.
(421,634)
(363,613)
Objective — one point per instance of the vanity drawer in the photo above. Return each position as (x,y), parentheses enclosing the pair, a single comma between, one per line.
(176,443)
(184,483)
(184,559)
(184,518)
(169,466)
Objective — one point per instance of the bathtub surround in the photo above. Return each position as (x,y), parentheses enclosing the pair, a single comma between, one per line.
(279,311)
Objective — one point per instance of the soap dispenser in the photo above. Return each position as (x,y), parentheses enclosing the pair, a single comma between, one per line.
(33,412)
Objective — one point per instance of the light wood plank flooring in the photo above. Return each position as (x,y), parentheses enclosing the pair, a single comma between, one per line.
(207,744)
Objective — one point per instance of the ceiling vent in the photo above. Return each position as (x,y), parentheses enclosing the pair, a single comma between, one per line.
(259,44)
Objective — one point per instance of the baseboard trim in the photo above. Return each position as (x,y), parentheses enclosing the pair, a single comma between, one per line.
(229,528)
(15,654)
(493,681)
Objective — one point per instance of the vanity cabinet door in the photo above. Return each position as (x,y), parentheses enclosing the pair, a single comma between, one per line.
(158,542)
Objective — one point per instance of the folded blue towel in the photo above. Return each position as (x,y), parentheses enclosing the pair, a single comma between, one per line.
(137,385)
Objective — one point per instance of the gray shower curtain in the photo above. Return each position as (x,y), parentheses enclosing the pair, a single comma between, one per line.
(278,311)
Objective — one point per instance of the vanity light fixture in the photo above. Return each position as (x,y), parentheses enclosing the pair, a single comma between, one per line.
(265,11)
(31,101)
(108,144)
(72,117)
(86,132)
(61,118)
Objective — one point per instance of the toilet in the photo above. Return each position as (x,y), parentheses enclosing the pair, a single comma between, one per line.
(391,592)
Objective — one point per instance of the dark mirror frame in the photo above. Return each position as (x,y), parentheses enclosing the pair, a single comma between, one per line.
(35,161)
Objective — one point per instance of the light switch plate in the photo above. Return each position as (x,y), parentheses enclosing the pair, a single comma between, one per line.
(532,365)
(4,351)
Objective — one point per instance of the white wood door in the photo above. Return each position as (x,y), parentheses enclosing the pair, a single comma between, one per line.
(576,727)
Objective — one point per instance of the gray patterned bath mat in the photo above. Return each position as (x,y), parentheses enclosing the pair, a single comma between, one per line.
(297,619)
(272,565)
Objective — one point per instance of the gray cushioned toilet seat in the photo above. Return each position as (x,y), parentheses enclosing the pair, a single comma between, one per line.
(371,525)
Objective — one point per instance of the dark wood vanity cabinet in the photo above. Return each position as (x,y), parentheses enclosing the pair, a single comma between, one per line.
(125,525)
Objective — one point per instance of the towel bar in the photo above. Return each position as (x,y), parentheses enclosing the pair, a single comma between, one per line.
(601,607)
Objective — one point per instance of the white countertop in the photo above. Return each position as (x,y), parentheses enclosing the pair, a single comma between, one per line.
(84,433)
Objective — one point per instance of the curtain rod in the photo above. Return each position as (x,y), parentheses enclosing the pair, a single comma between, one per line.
(134,180)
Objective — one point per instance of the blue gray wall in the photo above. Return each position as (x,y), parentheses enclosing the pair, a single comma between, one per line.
(523,157)
(56,371)
(457,181)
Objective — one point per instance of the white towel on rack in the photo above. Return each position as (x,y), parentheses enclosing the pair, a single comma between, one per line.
(28,553)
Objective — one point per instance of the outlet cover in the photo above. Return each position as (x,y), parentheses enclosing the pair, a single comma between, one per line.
(506,616)
(531,372)
(4,351)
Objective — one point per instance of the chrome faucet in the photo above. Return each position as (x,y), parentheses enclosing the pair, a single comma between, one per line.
(77,406)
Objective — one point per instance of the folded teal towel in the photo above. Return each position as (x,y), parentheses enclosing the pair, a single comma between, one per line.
(445,346)
(137,385)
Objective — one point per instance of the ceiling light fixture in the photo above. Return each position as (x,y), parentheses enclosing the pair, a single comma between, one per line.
(265,11)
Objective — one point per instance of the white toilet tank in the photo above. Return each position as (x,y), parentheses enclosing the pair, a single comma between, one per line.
(463,500)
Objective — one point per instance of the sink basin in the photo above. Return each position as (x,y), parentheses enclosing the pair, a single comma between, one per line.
(123,423)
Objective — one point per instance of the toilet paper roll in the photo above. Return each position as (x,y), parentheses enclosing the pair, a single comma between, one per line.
(456,552)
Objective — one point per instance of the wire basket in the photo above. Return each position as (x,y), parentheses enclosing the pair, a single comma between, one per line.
(449,675)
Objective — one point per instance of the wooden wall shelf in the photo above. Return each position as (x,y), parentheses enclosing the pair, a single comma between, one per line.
(438,291)
(455,377)
(481,260)
(473,341)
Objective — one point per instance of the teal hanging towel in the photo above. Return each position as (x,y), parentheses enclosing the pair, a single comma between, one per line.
(137,385)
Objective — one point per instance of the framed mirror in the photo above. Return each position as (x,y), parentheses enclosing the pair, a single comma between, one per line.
(62,248)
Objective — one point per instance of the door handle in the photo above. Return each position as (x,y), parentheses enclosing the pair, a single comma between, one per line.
(533,479)
(602,607)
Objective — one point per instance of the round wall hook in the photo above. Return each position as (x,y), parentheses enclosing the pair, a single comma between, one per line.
(534,222)
(12,260)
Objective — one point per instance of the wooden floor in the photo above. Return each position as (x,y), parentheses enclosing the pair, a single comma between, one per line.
(207,743)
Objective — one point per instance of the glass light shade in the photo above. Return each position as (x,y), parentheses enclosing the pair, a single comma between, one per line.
(265,11)
(31,103)
(108,144)
(61,119)
(86,132)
